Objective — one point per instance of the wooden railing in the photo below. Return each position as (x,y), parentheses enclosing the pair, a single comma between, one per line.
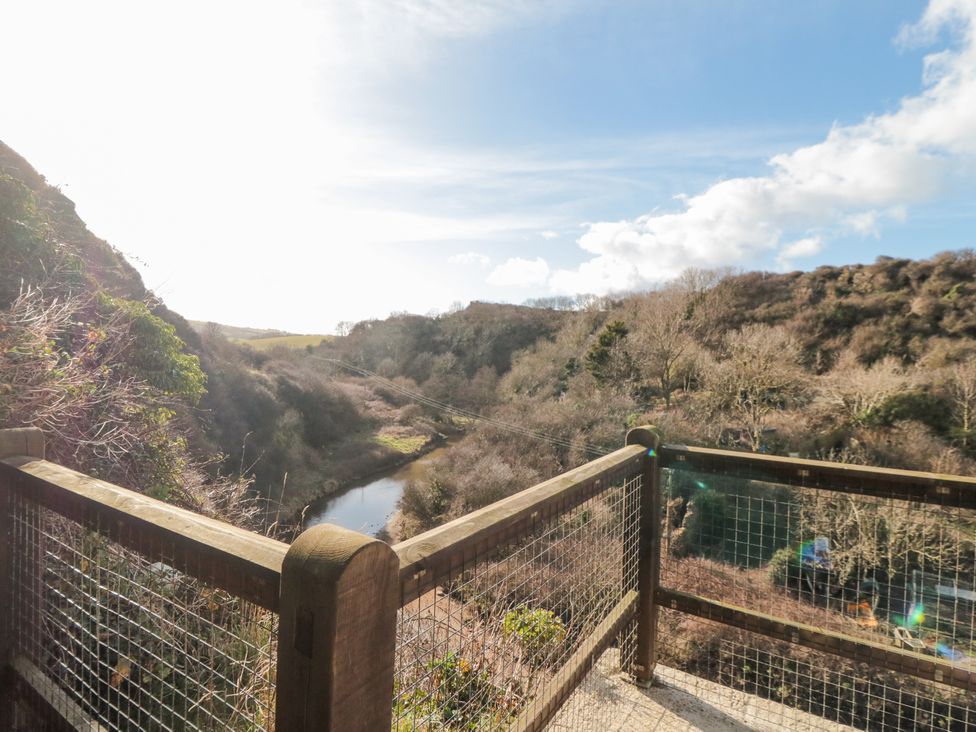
(490,536)
(343,609)
(912,487)
(208,584)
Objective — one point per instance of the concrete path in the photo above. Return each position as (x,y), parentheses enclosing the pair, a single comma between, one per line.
(607,703)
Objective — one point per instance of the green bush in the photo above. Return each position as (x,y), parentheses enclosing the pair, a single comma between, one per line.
(538,631)
(783,567)
(460,697)
(156,354)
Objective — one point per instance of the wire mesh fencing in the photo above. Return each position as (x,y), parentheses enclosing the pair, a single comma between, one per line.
(797,688)
(499,640)
(874,569)
(102,633)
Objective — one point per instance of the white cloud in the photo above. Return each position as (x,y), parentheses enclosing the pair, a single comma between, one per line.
(806,247)
(599,275)
(518,272)
(387,37)
(475,258)
(549,234)
(858,175)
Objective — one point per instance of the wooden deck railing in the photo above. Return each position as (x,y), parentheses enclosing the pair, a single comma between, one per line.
(946,501)
(78,552)
(464,547)
(340,623)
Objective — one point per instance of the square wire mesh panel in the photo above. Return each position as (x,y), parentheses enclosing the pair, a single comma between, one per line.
(596,703)
(485,647)
(777,685)
(128,643)
(886,570)
(882,569)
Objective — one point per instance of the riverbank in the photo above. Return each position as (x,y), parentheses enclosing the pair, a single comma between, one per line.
(371,506)
(354,461)
(366,457)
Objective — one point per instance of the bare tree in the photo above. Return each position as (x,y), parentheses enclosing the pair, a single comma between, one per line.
(661,338)
(961,388)
(667,325)
(867,535)
(857,392)
(760,373)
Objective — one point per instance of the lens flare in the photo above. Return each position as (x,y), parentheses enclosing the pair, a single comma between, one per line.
(701,485)
(806,551)
(815,552)
(652,453)
(916,615)
(947,651)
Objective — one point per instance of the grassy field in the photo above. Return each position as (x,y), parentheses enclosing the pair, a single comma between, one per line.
(289,341)
(406,443)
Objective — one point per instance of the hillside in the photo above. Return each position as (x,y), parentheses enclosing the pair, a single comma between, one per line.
(127,390)
(261,339)
(872,363)
(186,413)
(867,363)
(286,341)
(87,354)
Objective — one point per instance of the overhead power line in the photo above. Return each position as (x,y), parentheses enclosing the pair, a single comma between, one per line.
(461,412)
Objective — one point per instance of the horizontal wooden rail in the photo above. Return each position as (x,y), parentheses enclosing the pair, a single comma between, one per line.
(241,562)
(572,673)
(429,558)
(944,490)
(54,707)
(838,644)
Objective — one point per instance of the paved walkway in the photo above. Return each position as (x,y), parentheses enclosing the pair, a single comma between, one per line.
(607,703)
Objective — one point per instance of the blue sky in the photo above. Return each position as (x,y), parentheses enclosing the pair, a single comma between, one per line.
(297,164)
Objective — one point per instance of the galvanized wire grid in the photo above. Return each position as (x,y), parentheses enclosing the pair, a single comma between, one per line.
(129,643)
(485,647)
(798,688)
(880,569)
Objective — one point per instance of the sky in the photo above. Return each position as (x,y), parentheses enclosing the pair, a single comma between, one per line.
(297,164)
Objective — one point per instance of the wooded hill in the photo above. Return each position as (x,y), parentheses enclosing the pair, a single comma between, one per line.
(127,390)
(864,363)
(869,363)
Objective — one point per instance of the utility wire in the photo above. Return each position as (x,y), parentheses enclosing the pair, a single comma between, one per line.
(460,412)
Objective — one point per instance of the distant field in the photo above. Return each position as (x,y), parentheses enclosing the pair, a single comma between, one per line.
(237,333)
(289,341)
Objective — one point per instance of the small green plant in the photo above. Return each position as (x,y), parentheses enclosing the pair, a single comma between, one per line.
(463,696)
(783,568)
(538,631)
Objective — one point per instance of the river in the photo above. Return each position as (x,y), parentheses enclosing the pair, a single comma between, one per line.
(368,506)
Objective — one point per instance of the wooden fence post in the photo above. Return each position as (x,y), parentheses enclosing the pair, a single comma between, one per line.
(337,633)
(19,442)
(649,560)
(22,442)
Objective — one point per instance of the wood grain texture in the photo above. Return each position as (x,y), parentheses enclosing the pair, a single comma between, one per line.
(649,555)
(23,441)
(241,562)
(432,556)
(337,635)
(933,488)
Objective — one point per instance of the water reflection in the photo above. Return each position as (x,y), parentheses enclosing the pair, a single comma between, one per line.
(369,506)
